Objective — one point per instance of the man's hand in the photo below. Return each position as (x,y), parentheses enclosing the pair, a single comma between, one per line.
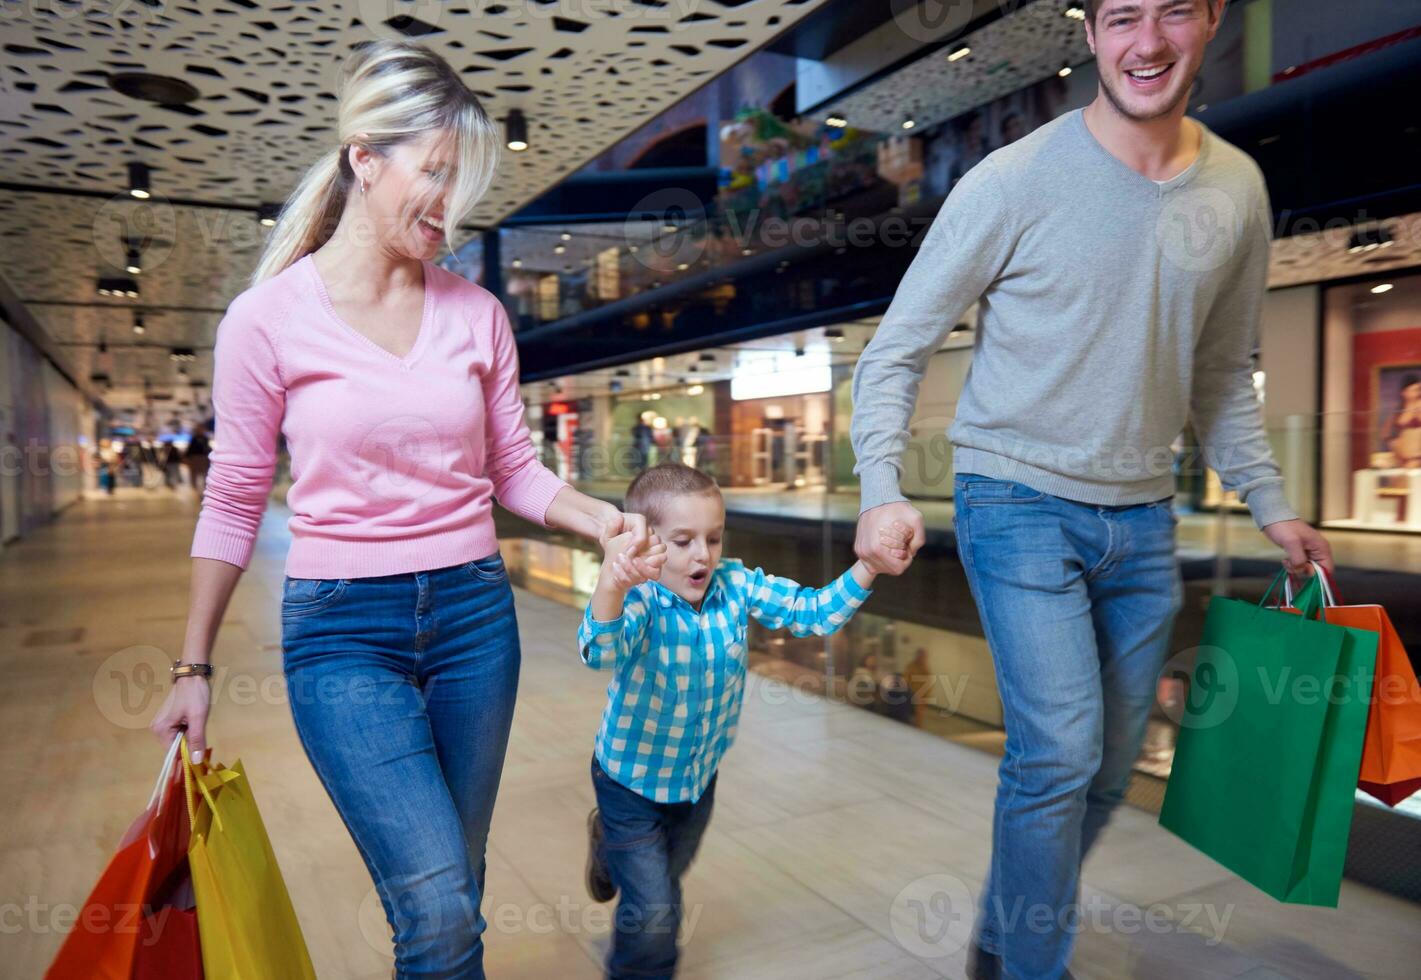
(1302,544)
(880,543)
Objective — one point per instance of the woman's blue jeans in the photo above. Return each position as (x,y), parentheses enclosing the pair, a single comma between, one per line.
(402,690)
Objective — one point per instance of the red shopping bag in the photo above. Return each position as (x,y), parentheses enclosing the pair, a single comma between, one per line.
(139,923)
(1391,754)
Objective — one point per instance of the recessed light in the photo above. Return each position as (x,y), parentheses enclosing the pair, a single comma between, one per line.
(1065,71)
(908,124)
(959,53)
(1385,287)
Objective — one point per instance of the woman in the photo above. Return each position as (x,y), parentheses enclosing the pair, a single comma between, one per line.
(1403,429)
(195,458)
(395,384)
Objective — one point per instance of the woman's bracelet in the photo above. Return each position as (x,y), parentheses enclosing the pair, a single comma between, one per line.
(180,669)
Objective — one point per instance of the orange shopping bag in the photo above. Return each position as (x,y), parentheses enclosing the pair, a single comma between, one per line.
(139,922)
(1391,754)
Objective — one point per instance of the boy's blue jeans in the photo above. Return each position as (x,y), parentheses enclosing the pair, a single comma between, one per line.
(1077,602)
(402,689)
(646,848)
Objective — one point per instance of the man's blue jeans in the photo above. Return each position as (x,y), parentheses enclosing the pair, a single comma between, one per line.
(646,848)
(1077,602)
(402,689)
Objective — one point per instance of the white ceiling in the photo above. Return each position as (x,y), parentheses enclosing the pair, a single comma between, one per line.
(585,73)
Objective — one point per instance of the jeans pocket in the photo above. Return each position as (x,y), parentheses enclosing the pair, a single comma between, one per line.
(489,569)
(301,596)
(983,490)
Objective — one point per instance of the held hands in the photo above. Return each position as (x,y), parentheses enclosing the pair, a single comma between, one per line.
(625,567)
(889,536)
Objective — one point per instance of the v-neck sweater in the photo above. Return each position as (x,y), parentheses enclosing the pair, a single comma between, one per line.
(1114,310)
(395,461)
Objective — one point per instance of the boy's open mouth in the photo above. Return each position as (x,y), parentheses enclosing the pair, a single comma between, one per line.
(699,578)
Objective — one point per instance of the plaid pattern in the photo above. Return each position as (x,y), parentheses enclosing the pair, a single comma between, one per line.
(679,676)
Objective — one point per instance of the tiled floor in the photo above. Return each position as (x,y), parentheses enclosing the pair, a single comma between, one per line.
(844,845)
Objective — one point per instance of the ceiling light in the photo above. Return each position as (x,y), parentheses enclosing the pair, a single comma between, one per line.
(138,323)
(515,128)
(1370,239)
(1075,10)
(836,121)
(959,53)
(1385,287)
(267,214)
(517,263)
(682,266)
(908,124)
(1065,71)
(566,237)
(138,180)
(695,389)
(134,266)
(559,249)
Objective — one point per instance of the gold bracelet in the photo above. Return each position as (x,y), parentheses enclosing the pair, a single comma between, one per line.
(180,669)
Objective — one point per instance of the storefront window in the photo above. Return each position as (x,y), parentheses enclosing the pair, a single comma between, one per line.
(1372,394)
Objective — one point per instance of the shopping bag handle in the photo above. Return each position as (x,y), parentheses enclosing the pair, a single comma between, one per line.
(1329,597)
(163,773)
(1307,601)
(225,775)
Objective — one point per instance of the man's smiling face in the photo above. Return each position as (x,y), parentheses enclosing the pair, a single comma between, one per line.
(1149,51)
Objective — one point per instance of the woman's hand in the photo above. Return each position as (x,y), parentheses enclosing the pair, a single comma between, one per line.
(616,523)
(185,709)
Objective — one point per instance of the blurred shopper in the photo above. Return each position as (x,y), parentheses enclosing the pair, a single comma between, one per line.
(1108,321)
(642,435)
(676,649)
(196,458)
(172,465)
(400,646)
(922,683)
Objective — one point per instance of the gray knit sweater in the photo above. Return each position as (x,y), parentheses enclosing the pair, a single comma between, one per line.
(1114,308)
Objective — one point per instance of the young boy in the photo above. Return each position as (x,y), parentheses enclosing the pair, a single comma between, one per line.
(671,626)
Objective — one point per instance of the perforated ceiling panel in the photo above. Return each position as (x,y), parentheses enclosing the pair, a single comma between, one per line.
(584,72)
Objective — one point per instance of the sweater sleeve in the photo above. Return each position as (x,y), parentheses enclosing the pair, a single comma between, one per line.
(248,402)
(1223,405)
(520,482)
(962,254)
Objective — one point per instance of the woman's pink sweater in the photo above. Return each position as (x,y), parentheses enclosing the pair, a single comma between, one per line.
(395,461)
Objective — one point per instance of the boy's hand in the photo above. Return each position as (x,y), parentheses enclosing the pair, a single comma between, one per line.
(624,568)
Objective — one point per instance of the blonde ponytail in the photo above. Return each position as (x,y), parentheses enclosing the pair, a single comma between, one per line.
(391,92)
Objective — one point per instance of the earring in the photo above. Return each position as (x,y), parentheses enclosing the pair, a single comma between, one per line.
(362,185)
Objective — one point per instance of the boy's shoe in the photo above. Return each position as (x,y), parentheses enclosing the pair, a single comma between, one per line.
(599,885)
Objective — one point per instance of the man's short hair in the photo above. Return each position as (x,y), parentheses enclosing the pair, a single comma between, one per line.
(651,487)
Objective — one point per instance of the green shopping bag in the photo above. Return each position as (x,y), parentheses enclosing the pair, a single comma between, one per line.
(1270,745)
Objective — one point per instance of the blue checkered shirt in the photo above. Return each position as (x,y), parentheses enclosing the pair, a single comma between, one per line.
(679,675)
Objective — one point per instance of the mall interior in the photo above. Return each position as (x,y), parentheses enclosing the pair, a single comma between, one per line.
(701,215)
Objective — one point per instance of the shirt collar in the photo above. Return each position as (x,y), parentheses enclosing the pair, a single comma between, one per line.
(666,599)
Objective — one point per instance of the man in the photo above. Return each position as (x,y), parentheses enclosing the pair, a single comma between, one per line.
(1120,254)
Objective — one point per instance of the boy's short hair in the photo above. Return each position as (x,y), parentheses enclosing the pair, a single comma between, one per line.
(650,487)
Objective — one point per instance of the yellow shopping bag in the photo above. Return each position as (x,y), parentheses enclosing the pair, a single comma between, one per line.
(247,927)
